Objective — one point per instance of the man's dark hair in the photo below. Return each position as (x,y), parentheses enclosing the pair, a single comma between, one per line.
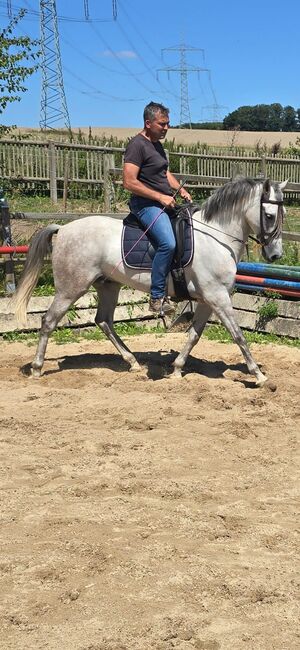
(152,109)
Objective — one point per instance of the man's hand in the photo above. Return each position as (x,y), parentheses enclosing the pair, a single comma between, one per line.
(185,195)
(167,201)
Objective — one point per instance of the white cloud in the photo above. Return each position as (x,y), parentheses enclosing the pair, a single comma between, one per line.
(121,54)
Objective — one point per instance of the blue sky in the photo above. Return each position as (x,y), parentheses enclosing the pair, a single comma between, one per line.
(111,67)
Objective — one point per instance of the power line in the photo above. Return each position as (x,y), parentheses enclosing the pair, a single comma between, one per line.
(150,70)
(36,13)
(120,61)
(95,62)
(95,91)
(154,53)
(86,10)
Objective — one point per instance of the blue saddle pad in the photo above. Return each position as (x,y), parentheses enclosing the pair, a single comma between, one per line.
(138,252)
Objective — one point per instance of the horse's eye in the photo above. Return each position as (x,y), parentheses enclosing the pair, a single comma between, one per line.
(269,215)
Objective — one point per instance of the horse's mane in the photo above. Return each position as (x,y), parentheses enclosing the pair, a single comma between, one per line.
(228,199)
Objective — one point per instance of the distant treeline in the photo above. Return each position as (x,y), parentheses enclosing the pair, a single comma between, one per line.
(262,117)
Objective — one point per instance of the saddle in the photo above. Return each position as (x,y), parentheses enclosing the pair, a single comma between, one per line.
(138,250)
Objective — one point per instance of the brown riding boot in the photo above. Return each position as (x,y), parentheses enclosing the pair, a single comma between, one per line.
(161,306)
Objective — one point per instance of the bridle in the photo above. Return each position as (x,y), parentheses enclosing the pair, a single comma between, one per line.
(265,237)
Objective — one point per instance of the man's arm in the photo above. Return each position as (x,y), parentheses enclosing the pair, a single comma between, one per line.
(132,183)
(175,185)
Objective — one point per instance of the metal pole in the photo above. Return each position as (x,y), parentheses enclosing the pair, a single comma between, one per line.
(52,172)
(10,282)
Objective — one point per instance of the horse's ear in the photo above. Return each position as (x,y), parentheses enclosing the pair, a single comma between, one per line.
(283,184)
(267,186)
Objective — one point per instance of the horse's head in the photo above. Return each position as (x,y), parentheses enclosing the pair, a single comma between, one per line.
(267,222)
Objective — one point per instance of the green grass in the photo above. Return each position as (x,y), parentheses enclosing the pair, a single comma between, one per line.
(219,333)
(19,202)
(292,219)
(211,332)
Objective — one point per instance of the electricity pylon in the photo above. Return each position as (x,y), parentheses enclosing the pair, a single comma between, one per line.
(215,106)
(184,70)
(53,99)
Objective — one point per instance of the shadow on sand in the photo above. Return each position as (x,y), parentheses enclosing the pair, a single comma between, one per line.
(158,365)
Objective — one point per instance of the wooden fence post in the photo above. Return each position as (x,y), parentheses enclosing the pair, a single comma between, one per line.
(52,172)
(263,167)
(66,179)
(106,182)
(10,282)
(236,170)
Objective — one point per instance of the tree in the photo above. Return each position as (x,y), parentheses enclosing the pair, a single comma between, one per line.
(242,119)
(263,117)
(289,120)
(275,117)
(17,62)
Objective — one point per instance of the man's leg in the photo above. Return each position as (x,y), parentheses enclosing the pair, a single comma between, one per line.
(162,235)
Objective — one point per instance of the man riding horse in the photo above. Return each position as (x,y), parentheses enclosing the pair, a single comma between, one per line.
(147,177)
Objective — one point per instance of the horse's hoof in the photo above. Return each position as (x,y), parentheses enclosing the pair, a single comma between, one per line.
(266,383)
(176,374)
(35,373)
(135,368)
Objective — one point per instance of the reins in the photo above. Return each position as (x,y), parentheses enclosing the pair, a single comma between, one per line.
(208,225)
(264,238)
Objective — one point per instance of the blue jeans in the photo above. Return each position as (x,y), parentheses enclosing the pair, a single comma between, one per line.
(162,238)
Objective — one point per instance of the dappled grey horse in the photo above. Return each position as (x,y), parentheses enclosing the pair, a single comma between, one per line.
(88,252)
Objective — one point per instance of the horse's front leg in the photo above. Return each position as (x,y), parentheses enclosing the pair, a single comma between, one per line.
(222,306)
(108,293)
(200,319)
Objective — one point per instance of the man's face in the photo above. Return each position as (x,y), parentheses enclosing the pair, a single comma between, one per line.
(158,128)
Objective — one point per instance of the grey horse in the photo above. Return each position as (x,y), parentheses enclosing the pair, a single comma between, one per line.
(87,252)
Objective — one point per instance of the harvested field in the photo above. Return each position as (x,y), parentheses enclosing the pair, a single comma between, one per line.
(192,136)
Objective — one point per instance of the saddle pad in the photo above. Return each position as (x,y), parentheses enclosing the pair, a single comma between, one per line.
(138,252)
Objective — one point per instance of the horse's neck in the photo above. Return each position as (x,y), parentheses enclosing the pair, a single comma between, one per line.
(233,233)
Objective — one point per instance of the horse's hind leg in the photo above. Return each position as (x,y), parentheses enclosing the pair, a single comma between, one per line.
(56,311)
(108,293)
(201,316)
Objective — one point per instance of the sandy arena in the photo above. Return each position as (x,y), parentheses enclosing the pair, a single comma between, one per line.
(141,513)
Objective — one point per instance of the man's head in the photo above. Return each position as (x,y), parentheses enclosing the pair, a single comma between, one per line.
(156,121)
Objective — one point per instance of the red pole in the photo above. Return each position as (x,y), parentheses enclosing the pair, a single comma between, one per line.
(4,250)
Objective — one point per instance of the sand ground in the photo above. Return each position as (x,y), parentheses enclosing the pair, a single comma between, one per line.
(142,513)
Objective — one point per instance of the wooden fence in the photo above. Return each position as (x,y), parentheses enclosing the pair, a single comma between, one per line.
(133,306)
(60,167)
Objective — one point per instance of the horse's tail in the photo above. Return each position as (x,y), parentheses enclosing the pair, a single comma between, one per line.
(38,249)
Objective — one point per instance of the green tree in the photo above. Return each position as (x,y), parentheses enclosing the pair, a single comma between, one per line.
(275,117)
(242,119)
(289,119)
(18,60)
(263,117)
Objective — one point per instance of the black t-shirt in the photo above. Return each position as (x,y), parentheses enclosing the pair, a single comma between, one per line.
(152,161)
